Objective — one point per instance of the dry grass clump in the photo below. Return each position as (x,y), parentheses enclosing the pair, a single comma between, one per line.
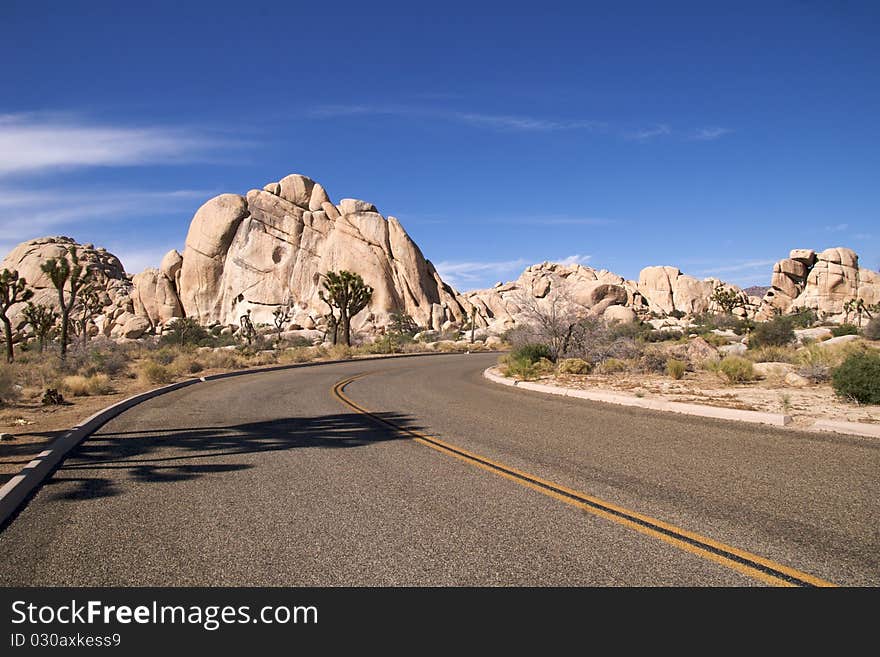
(736,369)
(153,373)
(84,386)
(772,354)
(676,368)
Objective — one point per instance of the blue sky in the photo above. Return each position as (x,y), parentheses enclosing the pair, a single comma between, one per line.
(711,136)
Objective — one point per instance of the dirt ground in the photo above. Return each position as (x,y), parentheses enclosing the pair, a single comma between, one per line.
(804,405)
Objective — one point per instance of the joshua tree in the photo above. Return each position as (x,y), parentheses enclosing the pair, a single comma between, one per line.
(66,271)
(472,318)
(12,290)
(346,292)
(247,327)
(89,306)
(281,315)
(848,306)
(861,308)
(726,299)
(42,320)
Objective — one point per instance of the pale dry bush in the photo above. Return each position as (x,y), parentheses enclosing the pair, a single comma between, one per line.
(9,390)
(297,355)
(153,373)
(78,385)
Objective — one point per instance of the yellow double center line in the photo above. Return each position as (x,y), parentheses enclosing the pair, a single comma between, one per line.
(752,565)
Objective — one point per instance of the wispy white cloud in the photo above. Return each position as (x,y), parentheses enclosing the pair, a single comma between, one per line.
(27,214)
(38,142)
(710,134)
(647,134)
(575,259)
(557,220)
(470,272)
(137,260)
(863,236)
(495,121)
(837,228)
(749,265)
(476,274)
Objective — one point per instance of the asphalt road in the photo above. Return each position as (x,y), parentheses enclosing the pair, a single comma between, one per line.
(269,479)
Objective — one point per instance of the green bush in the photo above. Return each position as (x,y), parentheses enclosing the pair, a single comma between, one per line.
(519,367)
(776,332)
(858,378)
(612,366)
(803,318)
(844,329)
(736,369)
(574,366)
(675,368)
(664,335)
(155,373)
(186,331)
(531,353)
(770,354)
(872,330)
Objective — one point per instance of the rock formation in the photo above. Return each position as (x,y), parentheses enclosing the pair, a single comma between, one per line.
(660,291)
(109,278)
(821,281)
(270,248)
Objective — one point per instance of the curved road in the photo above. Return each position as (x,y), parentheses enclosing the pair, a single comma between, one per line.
(271,479)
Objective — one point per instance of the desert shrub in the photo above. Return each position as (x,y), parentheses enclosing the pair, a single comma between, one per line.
(736,369)
(52,397)
(297,341)
(664,335)
(574,366)
(858,378)
(155,373)
(714,339)
(384,345)
(803,318)
(221,359)
(532,352)
(724,321)
(844,329)
(263,358)
(187,364)
(772,354)
(776,332)
(518,367)
(296,355)
(612,366)
(676,368)
(83,386)
(652,362)
(340,352)
(872,329)
(100,356)
(186,331)
(631,330)
(9,391)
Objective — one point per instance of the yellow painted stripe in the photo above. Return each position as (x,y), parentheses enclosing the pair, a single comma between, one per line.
(676,536)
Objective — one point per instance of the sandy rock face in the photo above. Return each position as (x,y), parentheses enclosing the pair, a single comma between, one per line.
(113,286)
(822,281)
(270,249)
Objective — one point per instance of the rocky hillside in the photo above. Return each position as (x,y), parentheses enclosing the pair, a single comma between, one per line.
(659,291)
(268,249)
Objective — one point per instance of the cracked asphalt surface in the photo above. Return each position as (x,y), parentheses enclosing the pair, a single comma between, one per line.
(268,480)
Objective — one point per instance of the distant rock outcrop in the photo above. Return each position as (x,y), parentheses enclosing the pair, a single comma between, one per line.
(821,281)
(253,254)
(109,279)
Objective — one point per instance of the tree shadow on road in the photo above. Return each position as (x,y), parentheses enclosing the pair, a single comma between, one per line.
(166,455)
